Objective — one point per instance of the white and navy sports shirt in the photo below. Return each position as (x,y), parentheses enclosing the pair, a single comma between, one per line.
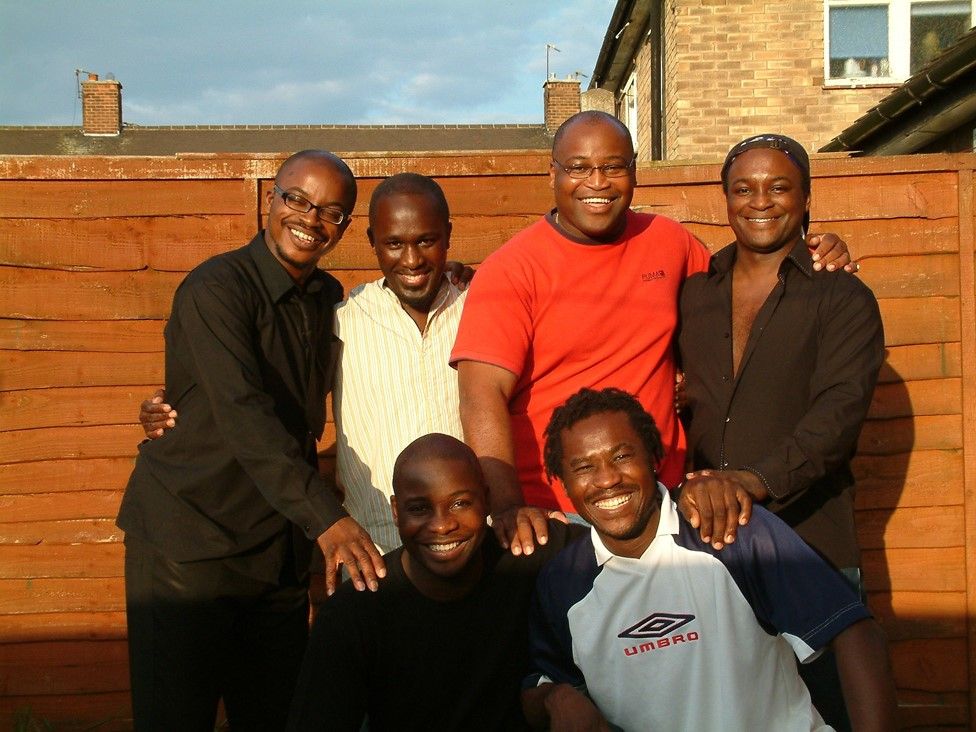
(689,638)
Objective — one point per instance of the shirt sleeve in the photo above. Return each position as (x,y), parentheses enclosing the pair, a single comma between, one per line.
(698,256)
(332,690)
(550,641)
(219,328)
(849,356)
(791,589)
(496,323)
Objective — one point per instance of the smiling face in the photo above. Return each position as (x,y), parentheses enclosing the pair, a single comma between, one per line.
(610,479)
(766,201)
(298,240)
(594,207)
(440,510)
(411,235)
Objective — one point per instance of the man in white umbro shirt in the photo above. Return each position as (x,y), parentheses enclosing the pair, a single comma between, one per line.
(643,626)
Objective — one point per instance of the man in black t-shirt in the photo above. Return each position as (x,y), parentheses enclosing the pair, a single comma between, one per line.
(443,643)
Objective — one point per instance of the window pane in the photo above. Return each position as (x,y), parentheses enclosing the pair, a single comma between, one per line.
(859,42)
(935,26)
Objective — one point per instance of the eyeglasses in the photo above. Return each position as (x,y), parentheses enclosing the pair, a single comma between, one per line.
(610,170)
(303,205)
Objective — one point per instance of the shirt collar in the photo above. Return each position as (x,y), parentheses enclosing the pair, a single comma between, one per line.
(799,257)
(667,524)
(275,278)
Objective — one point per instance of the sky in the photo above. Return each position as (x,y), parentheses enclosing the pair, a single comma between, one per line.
(295,61)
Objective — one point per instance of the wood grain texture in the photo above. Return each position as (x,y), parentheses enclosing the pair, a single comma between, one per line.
(907,615)
(47,627)
(920,478)
(108,199)
(105,336)
(914,570)
(171,242)
(53,476)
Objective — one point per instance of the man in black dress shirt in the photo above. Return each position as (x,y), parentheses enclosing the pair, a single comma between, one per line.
(220,515)
(780,364)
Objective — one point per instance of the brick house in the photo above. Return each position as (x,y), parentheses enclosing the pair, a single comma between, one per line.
(692,77)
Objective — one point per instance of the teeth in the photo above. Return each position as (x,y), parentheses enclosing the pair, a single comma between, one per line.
(595,200)
(610,503)
(444,547)
(302,235)
(762,221)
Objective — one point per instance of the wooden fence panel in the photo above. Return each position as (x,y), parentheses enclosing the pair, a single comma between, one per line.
(91,250)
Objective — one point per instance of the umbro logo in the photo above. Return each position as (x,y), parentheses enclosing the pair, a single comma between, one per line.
(657,625)
(651,276)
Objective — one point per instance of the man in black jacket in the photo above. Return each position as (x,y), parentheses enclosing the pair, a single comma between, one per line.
(221,514)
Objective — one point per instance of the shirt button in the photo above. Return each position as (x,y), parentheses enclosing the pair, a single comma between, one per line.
(725,378)
(724,466)
(727,420)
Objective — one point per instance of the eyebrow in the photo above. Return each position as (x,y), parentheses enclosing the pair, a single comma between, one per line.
(589,455)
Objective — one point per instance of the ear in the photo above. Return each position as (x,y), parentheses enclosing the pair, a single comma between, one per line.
(450,228)
(393,507)
(552,175)
(369,235)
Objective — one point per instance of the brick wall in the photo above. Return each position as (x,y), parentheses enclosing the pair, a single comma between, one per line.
(562,101)
(738,68)
(644,107)
(101,106)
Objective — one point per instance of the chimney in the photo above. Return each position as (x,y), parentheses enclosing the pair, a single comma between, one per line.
(562,101)
(101,107)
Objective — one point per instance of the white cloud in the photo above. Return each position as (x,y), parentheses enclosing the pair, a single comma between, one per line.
(307,62)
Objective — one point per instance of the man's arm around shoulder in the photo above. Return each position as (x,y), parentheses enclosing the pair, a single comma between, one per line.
(485,390)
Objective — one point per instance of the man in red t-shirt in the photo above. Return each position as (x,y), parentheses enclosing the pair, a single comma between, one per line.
(585,297)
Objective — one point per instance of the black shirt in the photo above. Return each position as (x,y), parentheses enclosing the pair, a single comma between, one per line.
(793,413)
(248,365)
(413,663)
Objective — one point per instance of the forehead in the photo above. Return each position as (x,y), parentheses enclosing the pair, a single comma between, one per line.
(435,478)
(314,172)
(598,432)
(592,138)
(764,161)
(421,207)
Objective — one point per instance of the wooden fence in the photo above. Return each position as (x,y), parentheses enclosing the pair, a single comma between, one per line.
(91,250)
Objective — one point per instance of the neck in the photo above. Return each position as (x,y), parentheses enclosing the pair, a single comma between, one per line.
(634,547)
(443,589)
(750,262)
(579,235)
(420,312)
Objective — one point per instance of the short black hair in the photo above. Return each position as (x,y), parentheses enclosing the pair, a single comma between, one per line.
(588,402)
(331,158)
(410,184)
(592,115)
(434,446)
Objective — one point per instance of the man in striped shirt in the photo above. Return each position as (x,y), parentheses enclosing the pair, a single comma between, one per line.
(392,382)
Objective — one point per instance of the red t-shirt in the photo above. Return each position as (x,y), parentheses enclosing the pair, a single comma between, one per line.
(563,315)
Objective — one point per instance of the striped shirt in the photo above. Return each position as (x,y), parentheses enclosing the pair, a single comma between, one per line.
(393,384)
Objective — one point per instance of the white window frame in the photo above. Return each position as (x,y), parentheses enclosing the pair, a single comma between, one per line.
(899,40)
(628,106)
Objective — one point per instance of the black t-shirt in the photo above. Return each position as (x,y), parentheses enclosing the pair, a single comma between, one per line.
(412,663)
